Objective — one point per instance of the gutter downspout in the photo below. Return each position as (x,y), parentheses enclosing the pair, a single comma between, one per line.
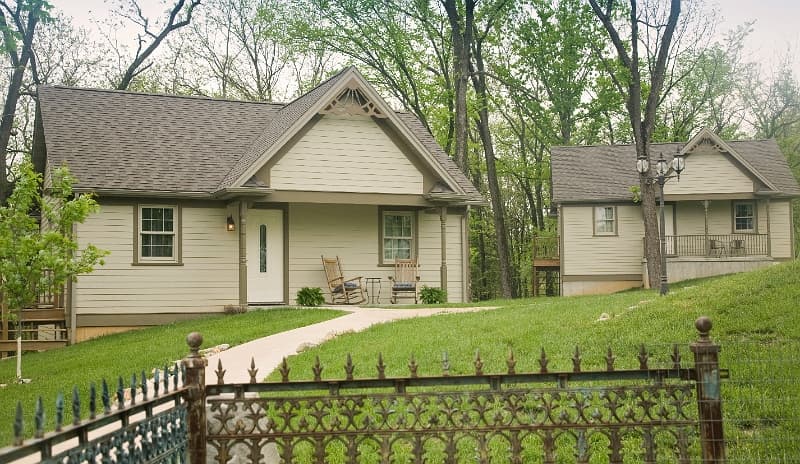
(69,300)
(466,276)
(443,268)
(242,254)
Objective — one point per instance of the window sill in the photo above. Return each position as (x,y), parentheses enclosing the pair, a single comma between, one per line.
(155,263)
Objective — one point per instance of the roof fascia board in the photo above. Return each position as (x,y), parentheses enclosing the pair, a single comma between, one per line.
(454,198)
(142,193)
(708,133)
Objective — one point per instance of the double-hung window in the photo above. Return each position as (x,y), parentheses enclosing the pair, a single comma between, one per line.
(397,235)
(744,217)
(157,233)
(605,220)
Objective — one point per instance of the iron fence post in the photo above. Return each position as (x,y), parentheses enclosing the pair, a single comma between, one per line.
(709,401)
(196,399)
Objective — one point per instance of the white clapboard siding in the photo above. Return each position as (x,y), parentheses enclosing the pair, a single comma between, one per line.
(343,153)
(780,214)
(351,232)
(207,280)
(709,171)
(586,254)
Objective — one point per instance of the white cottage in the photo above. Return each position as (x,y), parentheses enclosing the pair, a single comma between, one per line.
(729,212)
(209,203)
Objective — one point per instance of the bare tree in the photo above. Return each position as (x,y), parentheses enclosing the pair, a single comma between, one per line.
(657,39)
(18,22)
(149,39)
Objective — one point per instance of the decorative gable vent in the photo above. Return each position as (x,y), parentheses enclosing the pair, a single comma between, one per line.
(353,102)
(710,141)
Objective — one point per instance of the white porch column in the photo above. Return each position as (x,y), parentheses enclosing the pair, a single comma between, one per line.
(769,234)
(443,269)
(242,253)
(705,219)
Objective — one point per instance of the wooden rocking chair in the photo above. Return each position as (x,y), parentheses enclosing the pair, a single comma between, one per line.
(342,291)
(405,279)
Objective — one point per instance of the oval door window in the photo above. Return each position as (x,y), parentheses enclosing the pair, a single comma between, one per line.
(262,248)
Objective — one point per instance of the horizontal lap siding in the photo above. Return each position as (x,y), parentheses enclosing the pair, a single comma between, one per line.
(346,154)
(709,171)
(351,232)
(585,254)
(780,214)
(206,282)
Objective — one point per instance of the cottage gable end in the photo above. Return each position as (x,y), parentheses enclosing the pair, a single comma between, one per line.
(713,166)
(346,140)
(343,151)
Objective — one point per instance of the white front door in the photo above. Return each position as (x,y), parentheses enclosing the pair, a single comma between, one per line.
(265,256)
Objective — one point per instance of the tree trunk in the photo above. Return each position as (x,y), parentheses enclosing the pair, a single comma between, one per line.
(20,64)
(461,36)
(498,212)
(642,122)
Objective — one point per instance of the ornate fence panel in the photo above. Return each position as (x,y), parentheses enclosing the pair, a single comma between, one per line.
(646,415)
(649,415)
(142,423)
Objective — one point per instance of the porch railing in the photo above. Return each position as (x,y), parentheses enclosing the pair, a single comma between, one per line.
(546,248)
(717,246)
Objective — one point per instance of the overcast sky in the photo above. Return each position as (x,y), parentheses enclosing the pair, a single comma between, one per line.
(776,29)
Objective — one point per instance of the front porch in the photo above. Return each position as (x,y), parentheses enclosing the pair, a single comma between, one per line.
(697,256)
(717,245)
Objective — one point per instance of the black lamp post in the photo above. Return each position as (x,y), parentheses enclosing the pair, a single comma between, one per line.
(661,177)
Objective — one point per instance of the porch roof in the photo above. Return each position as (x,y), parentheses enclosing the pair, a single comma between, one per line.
(605,173)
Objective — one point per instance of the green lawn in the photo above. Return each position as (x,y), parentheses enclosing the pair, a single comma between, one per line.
(756,319)
(127,353)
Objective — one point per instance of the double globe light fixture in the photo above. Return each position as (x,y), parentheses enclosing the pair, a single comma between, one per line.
(662,169)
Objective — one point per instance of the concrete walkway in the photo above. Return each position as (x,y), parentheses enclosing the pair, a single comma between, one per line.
(268,352)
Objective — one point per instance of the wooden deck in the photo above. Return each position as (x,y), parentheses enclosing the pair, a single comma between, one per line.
(546,262)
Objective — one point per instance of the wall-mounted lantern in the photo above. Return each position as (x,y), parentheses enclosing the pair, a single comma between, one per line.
(231,226)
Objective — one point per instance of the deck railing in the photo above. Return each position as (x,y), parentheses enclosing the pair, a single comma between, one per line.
(717,246)
(546,248)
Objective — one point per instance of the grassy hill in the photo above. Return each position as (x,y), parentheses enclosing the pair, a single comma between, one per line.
(756,320)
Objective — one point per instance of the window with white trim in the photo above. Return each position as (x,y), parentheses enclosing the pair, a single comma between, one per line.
(605,220)
(744,217)
(397,235)
(157,226)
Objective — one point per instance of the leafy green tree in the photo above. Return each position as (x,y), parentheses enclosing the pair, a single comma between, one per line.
(33,257)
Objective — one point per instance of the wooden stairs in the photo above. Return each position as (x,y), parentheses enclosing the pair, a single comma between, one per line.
(42,327)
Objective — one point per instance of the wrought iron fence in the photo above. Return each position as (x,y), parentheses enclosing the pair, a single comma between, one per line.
(142,423)
(649,414)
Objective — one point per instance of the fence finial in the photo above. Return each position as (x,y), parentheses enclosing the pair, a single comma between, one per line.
(703,325)
(194,340)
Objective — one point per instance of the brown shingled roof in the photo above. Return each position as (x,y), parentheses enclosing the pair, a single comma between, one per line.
(160,143)
(606,172)
(149,143)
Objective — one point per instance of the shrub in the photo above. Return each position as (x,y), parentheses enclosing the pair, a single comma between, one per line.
(432,295)
(310,296)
